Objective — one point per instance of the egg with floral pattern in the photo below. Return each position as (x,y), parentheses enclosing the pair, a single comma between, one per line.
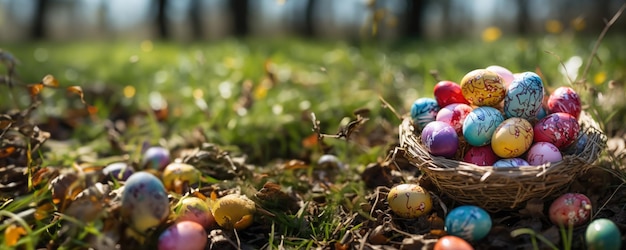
(524,96)
(409,200)
(560,129)
(483,87)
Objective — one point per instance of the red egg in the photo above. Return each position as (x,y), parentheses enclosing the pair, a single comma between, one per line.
(481,156)
(566,100)
(570,209)
(440,139)
(448,92)
(560,129)
(450,242)
(454,114)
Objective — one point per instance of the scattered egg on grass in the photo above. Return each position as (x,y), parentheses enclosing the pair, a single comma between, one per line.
(409,200)
(603,234)
(234,211)
(155,158)
(177,174)
(196,210)
(570,209)
(468,222)
(451,242)
(144,201)
(118,171)
(183,235)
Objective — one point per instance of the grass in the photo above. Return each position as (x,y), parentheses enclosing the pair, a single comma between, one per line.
(255,96)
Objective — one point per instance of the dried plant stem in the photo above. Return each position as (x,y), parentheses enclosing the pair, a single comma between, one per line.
(600,38)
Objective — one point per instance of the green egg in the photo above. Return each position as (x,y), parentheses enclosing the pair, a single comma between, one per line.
(603,234)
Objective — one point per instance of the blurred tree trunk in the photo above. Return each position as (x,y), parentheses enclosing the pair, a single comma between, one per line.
(239,12)
(309,22)
(196,19)
(39,27)
(446,24)
(415,9)
(523,17)
(161,19)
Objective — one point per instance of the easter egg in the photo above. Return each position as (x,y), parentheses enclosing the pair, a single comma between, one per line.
(541,113)
(196,210)
(409,200)
(570,209)
(118,171)
(181,235)
(448,92)
(155,158)
(480,124)
(512,137)
(177,174)
(329,161)
(579,146)
(482,87)
(144,201)
(566,100)
(423,111)
(503,72)
(468,222)
(454,114)
(524,96)
(450,242)
(234,211)
(481,156)
(543,152)
(440,139)
(603,234)
(510,162)
(560,129)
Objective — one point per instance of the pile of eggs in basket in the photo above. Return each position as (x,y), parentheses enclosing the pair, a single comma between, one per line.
(506,119)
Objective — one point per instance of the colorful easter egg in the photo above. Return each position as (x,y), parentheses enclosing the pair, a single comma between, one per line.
(543,152)
(542,113)
(118,171)
(468,222)
(512,137)
(155,158)
(524,96)
(481,156)
(560,129)
(440,139)
(503,72)
(480,124)
(451,242)
(566,100)
(409,200)
(482,87)
(510,163)
(196,210)
(454,114)
(570,209)
(603,234)
(177,174)
(186,235)
(144,201)
(448,92)
(423,111)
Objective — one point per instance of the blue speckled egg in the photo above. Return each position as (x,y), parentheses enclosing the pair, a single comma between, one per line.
(603,234)
(480,124)
(510,162)
(144,201)
(468,222)
(524,96)
(423,111)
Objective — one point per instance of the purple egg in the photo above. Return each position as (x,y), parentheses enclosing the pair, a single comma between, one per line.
(543,152)
(155,158)
(440,139)
(119,171)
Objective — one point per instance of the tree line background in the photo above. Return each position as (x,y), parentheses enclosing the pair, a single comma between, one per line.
(344,19)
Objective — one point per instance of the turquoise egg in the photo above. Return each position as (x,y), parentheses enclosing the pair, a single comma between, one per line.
(524,96)
(468,222)
(480,124)
(603,234)
(423,111)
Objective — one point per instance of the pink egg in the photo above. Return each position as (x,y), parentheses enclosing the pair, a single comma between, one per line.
(503,72)
(440,139)
(448,92)
(565,99)
(481,156)
(570,209)
(543,152)
(187,235)
(454,114)
(560,129)
(451,242)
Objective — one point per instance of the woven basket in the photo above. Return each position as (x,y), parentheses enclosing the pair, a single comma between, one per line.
(496,189)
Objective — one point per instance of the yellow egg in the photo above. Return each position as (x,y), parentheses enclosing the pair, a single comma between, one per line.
(512,138)
(483,87)
(176,175)
(234,211)
(409,200)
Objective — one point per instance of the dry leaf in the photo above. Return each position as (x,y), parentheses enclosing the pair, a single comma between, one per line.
(12,234)
(50,81)
(6,151)
(34,89)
